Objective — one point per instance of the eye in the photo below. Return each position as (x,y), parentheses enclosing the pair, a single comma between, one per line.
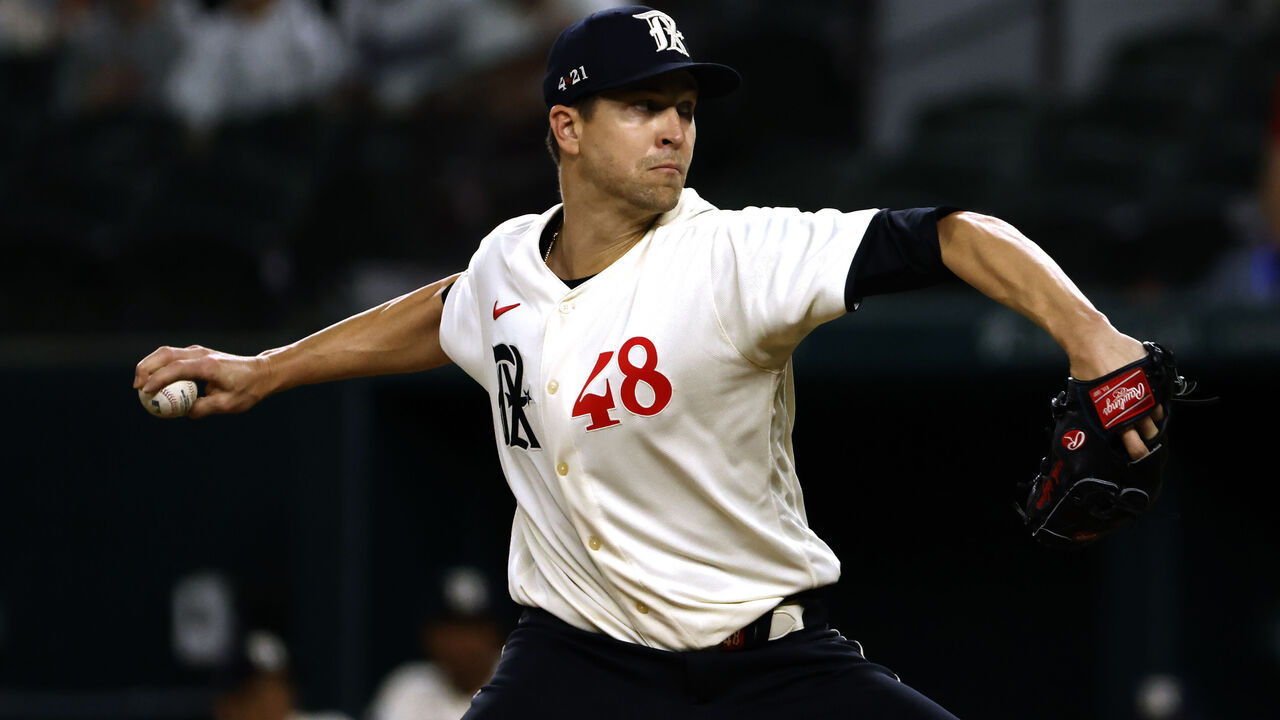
(651,105)
(685,109)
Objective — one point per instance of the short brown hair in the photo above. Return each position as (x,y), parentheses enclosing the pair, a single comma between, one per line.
(585,107)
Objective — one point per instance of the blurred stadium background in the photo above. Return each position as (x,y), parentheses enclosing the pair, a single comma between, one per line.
(238,173)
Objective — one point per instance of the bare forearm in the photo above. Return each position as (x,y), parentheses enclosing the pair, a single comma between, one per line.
(399,336)
(1002,263)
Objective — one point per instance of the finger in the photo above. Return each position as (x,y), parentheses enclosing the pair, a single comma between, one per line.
(202,367)
(203,407)
(1147,427)
(160,358)
(149,364)
(1133,444)
(218,403)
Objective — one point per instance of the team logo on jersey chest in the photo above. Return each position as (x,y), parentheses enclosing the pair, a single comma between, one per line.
(513,398)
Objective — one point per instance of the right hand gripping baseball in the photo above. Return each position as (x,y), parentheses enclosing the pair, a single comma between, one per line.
(230,381)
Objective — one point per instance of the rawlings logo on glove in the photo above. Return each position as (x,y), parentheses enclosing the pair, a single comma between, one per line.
(1123,399)
(1087,485)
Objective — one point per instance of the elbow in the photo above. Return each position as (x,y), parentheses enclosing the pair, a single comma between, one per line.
(966,224)
(960,234)
(967,233)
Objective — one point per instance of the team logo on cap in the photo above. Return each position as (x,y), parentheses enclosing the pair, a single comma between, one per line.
(663,29)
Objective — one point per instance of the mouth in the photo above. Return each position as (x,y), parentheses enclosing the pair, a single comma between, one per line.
(668,168)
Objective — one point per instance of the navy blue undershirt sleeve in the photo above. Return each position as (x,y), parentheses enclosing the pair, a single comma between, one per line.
(899,251)
(444,294)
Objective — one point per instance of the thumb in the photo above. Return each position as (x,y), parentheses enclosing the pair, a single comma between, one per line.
(206,405)
(221,402)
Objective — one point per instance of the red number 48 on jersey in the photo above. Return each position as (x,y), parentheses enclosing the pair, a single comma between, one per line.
(598,407)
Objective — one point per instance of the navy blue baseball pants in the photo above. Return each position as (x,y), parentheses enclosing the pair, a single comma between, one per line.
(550,669)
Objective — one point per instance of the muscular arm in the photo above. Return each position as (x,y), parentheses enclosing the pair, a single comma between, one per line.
(398,336)
(992,256)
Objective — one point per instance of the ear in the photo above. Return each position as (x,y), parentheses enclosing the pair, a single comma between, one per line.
(566,124)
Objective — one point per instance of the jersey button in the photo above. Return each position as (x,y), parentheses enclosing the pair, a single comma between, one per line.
(552,387)
(594,543)
(642,608)
(566,308)
(562,468)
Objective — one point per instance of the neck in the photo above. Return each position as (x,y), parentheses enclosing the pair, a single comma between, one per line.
(596,231)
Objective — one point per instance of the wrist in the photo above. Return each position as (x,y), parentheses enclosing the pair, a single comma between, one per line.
(268,374)
(1080,331)
(1099,350)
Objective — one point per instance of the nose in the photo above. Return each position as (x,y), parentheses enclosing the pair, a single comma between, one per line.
(671,130)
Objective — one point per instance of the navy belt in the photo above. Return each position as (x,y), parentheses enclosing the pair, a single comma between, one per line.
(756,633)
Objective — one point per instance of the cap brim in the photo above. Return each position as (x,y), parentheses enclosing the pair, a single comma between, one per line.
(714,79)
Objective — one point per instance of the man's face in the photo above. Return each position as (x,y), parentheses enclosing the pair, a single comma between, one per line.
(638,143)
(466,650)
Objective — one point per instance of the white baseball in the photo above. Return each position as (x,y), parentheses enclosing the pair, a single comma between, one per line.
(173,400)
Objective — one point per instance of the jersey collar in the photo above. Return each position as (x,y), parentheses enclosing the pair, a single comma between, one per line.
(691,204)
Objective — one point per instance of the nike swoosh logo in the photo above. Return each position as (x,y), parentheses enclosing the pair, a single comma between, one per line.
(497,311)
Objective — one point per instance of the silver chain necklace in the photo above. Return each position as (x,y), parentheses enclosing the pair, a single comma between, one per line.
(547,257)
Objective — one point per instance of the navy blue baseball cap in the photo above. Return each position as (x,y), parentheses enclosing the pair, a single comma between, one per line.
(622,45)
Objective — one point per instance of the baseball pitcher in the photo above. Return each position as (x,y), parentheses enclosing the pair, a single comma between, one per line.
(635,342)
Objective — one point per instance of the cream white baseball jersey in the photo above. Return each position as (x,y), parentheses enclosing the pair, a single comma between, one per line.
(643,418)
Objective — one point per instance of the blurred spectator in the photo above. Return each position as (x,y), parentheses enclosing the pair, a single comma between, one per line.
(252,57)
(461,646)
(1266,255)
(120,52)
(504,48)
(412,51)
(1250,270)
(406,49)
(27,27)
(255,684)
(1160,697)
(505,43)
